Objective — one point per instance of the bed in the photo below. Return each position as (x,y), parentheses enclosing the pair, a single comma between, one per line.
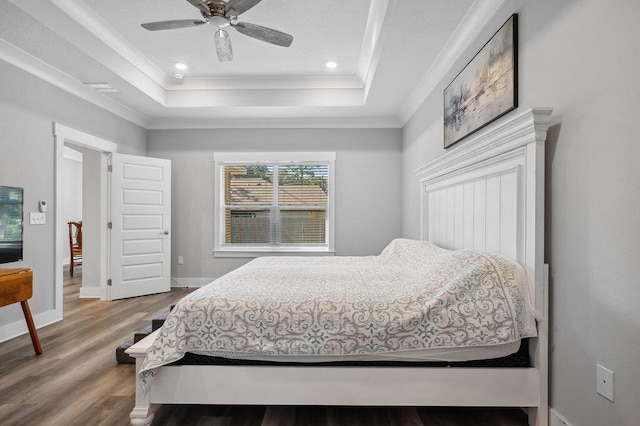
(481,206)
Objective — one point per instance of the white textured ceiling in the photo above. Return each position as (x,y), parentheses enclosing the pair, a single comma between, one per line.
(316,40)
(388,52)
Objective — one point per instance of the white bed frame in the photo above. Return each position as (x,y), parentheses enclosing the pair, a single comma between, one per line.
(486,193)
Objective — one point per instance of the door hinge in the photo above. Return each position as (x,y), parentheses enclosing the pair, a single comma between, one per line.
(110,168)
(109,225)
(109,282)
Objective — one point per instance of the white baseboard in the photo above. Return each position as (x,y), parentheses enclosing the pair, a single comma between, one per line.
(555,419)
(18,328)
(90,292)
(190,282)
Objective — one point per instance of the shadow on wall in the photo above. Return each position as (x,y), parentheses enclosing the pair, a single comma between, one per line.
(553,134)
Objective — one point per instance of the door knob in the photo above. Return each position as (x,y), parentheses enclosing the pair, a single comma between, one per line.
(166,232)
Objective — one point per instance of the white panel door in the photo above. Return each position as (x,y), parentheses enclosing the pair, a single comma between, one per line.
(140,253)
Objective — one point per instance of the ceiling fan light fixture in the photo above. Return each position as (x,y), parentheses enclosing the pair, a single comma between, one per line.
(223,14)
(219,21)
(223,46)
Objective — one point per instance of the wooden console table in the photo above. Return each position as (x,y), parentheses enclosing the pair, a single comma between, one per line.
(16,285)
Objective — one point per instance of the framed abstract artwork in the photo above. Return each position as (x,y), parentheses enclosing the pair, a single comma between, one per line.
(487,87)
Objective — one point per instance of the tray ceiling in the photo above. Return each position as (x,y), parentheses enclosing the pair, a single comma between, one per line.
(385,49)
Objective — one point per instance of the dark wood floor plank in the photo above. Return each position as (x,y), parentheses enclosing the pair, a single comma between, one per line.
(279,416)
(247,416)
(311,416)
(76,381)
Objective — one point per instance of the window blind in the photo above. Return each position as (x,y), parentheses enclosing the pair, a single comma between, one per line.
(271,204)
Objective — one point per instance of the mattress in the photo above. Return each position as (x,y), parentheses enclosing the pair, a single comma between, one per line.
(414,301)
(517,359)
(413,356)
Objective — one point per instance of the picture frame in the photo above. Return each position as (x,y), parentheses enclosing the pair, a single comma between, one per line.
(486,88)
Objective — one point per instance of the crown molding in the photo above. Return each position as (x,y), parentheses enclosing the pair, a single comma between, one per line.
(265,98)
(380,12)
(67,19)
(268,83)
(475,20)
(79,25)
(90,33)
(275,123)
(93,23)
(34,66)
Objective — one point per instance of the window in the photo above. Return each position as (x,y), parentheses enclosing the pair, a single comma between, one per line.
(274,202)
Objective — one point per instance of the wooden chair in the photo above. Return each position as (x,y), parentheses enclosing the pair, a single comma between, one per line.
(75,244)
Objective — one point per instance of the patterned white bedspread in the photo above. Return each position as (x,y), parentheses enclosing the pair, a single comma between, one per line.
(414,295)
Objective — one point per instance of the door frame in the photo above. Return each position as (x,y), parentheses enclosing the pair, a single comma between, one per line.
(63,134)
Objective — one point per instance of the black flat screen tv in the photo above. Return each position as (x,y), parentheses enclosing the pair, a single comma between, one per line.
(11,208)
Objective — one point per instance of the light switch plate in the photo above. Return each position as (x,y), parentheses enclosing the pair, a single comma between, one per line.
(604,382)
(36,218)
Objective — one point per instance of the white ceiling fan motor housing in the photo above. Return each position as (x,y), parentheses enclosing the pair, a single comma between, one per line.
(219,21)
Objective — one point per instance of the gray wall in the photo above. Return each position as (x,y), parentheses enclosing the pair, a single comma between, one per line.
(91,226)
(70,200)
(28,107)
(368,196)
(582,59)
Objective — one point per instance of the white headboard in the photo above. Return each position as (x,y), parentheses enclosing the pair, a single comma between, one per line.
(488,193)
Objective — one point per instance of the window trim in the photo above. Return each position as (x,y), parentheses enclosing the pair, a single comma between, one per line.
(279,158)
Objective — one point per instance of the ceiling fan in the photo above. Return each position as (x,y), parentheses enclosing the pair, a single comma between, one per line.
(223,14)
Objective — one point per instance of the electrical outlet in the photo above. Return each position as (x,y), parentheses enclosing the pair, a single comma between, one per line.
(36,218)
(604,382)
(180,260)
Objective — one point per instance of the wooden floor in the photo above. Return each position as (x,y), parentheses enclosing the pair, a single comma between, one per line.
(78,382)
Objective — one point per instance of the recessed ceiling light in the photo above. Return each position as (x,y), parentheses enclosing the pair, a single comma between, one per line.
(180,66)
(178,76)
(331,64)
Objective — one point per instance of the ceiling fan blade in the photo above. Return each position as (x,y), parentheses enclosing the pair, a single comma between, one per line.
(264,34)
(223,46)
(237,7)
(200,4)
(172,25)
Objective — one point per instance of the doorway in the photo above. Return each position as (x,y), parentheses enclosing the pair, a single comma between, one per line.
(70,201)
(95,253)
(85,188)
(126,224)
